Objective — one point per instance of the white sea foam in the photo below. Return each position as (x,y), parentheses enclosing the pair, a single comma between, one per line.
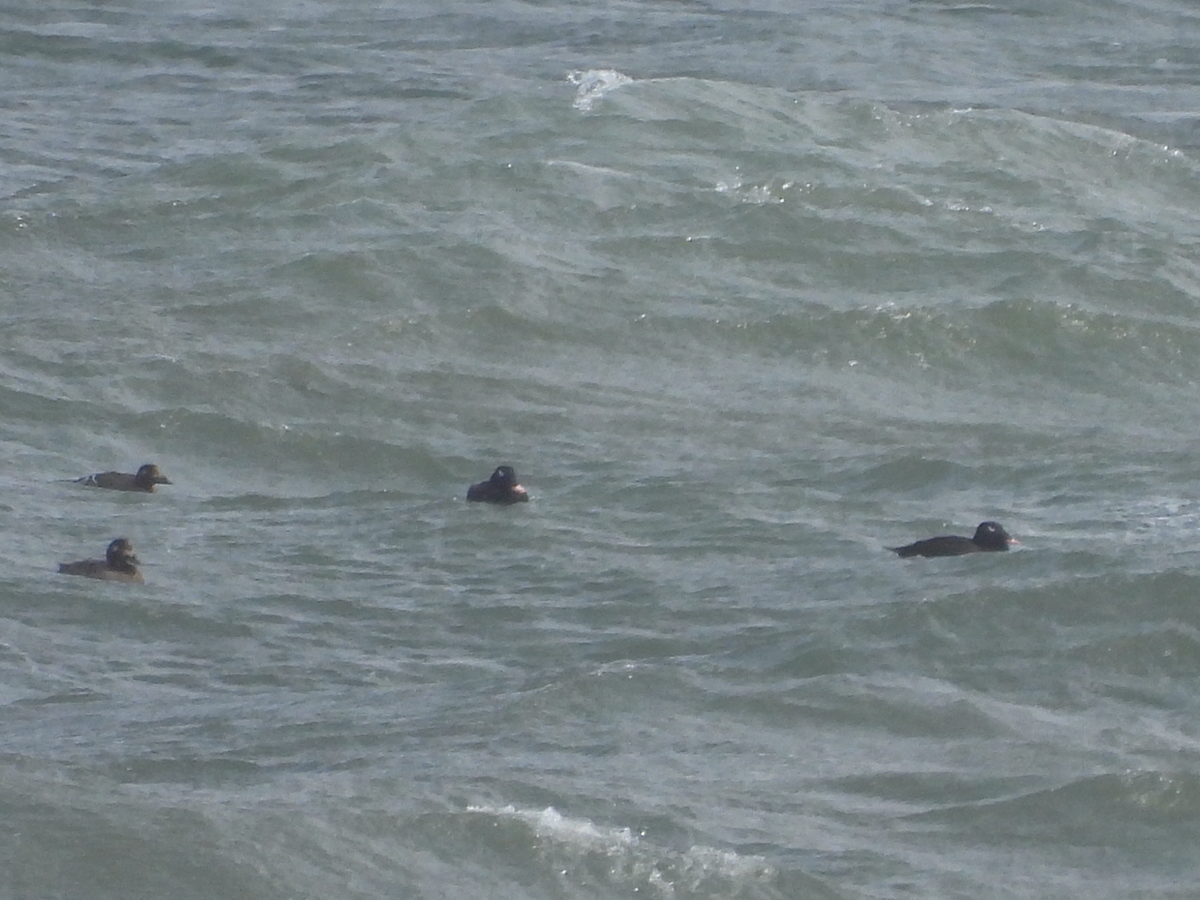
(632,859)
(594,84)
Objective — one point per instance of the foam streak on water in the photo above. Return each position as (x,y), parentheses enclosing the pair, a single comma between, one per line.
(747,295)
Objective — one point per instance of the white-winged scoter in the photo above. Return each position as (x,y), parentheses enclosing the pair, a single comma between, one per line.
(502,487)
(988,536)
(119,564)
(143,480)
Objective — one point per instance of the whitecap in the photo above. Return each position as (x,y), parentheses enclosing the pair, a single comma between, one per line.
(574,845)
(594,84)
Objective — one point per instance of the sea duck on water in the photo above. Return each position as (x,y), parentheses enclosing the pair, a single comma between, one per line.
(143,480)
(988,536)
(119,564)
(502,487)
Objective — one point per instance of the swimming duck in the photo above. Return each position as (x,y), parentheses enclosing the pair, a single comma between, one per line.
(144,480)
(988,536)
(502,487)
(119,564)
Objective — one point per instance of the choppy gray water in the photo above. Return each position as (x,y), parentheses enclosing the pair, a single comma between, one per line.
(747,295)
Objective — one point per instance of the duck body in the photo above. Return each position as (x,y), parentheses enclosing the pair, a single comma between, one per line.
(502,487)
(143,480)
(989,536)
(119,564)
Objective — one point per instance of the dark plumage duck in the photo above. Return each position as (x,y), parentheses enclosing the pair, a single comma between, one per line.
(119,564)
(988,536)
(502,487)
(143,480)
